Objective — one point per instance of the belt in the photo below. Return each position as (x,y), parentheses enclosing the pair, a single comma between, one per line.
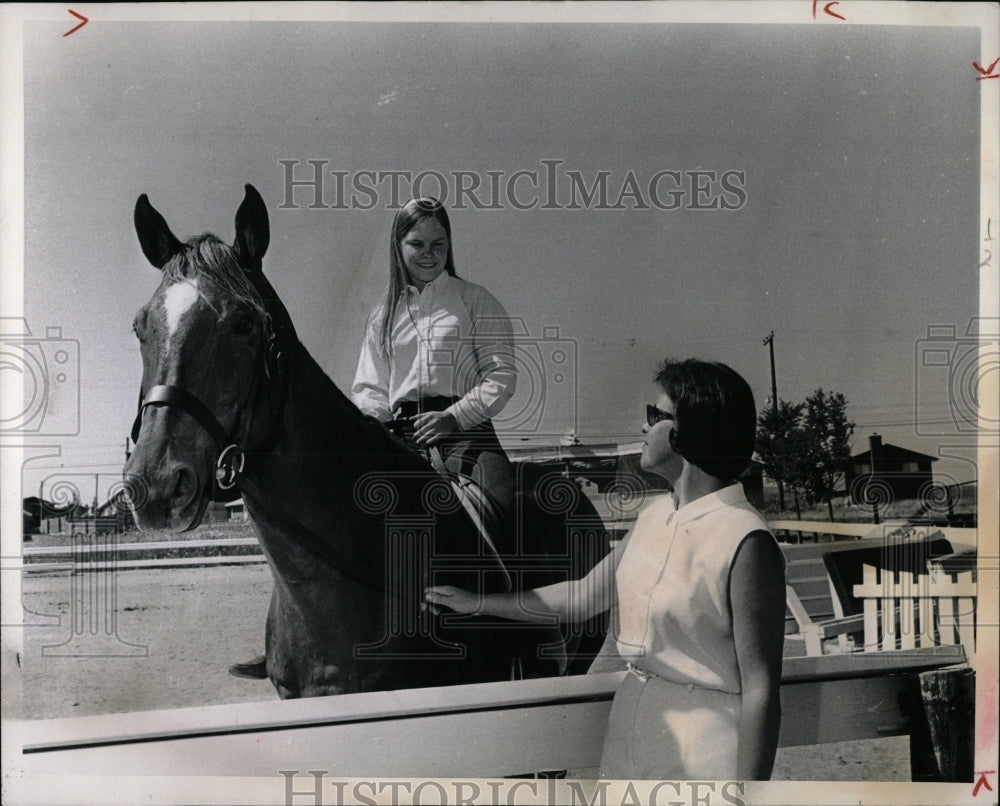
(643,675)
(408,408)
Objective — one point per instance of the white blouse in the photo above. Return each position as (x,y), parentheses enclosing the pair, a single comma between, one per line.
(451,339)
(673,588)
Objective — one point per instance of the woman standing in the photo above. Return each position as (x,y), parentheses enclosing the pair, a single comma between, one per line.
(699,582)
(438,354)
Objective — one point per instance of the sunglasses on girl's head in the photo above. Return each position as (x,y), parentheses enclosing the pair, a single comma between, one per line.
(655,415)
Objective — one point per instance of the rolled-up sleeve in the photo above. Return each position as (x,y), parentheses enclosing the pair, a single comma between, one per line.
(370,390)
(493,345)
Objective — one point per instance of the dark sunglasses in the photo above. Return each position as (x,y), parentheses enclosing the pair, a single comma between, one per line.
(655,415)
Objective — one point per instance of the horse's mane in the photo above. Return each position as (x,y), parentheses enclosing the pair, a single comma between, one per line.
(207,257)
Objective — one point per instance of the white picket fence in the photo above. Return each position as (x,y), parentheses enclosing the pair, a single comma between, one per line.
(934,605)
(903,611)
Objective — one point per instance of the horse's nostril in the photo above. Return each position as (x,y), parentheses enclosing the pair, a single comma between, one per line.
(184,485)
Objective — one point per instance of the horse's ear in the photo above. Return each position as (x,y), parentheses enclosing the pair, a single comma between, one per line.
(253,233)
(157,241)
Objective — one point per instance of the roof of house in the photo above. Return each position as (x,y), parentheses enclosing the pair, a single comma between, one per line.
(890,451)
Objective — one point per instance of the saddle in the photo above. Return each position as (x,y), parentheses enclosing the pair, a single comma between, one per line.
(490,521)
(479,505)
(482,510)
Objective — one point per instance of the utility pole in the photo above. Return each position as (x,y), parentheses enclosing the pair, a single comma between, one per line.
(769,341)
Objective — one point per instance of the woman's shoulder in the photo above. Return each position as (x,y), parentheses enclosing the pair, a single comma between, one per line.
(477,298)
(746,517)
(375,315)
(467,287)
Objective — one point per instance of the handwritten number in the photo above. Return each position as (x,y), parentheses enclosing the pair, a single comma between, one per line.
(981,783)
(826,9)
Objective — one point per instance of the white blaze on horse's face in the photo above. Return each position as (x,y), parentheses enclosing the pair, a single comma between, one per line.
(173,457)
(178,299)
(201,342)
(204,341)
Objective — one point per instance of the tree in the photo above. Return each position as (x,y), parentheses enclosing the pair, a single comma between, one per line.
(827,443)
(780,444)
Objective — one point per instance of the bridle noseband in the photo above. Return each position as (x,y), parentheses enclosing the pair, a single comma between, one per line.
(231,457)
(232,448)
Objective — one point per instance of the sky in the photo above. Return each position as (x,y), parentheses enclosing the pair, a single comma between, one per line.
(852,155)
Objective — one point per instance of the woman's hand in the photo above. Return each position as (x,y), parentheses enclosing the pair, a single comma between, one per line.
(431,426)
(455,599)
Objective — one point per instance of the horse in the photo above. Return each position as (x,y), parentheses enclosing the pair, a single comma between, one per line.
(353,521)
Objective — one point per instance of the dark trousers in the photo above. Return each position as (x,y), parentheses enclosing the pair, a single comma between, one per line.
(478,454)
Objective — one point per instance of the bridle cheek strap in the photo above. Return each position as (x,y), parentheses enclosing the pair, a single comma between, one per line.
(231,457)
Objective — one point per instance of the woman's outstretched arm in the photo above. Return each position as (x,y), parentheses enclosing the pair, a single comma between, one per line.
(572,600)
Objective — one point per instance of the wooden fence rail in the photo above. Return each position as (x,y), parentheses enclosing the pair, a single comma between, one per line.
(483,730)
(823,531)
(111,555)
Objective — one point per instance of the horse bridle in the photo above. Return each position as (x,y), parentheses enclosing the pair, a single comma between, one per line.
(233,447)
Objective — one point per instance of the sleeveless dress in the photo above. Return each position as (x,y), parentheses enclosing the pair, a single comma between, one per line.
(676,714)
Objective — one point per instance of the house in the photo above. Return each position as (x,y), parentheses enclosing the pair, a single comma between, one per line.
(614,470)
(38,515)
(901,473)
(237,511)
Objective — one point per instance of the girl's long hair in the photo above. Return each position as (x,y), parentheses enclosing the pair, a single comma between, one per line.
(409,215)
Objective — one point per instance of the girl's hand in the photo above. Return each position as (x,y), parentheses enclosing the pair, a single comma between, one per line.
(455,599)
(431,426)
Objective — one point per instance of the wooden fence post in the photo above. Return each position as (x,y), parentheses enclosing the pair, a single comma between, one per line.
(941,736)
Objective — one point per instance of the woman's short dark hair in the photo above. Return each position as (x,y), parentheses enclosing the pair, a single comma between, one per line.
(716,419)
(407,217)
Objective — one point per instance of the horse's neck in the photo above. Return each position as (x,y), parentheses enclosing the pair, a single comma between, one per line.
(323,446)
(318,416)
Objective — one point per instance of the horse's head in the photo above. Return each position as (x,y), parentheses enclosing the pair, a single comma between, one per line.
(207,338)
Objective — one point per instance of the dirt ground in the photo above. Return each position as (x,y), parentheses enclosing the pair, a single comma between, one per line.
(164,639)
